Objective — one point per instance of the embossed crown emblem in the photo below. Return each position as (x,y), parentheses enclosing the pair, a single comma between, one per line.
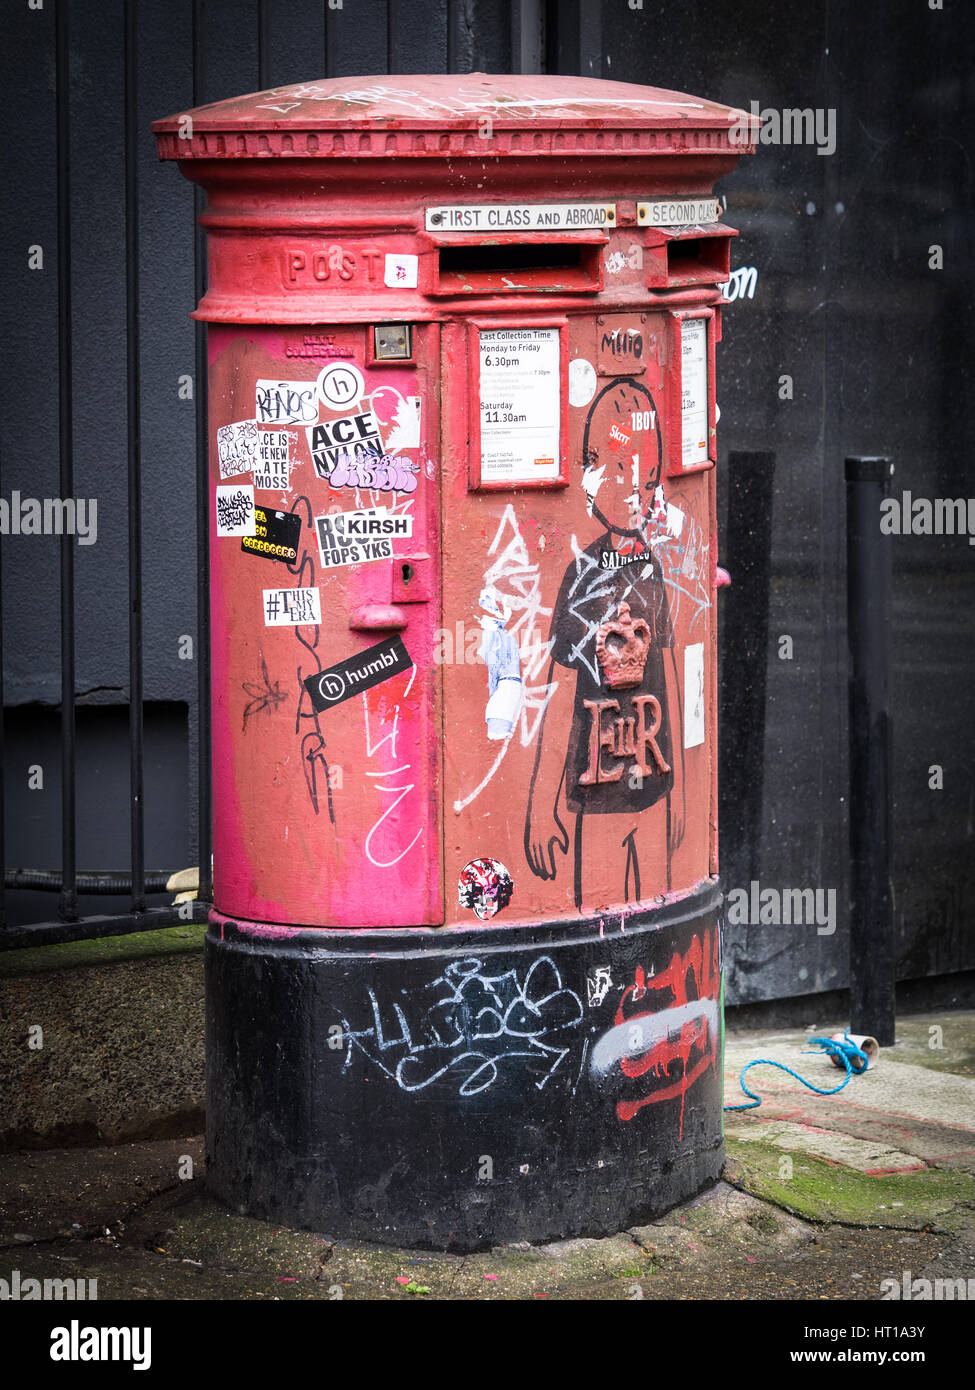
(621,650)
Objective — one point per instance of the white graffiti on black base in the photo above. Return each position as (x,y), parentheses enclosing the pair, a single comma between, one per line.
(470,1024)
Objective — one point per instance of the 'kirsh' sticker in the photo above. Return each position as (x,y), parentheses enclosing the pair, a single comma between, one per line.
(277,535)
(358,673)
(350,538)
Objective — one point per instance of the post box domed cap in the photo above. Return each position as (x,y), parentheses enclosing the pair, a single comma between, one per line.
(323,114)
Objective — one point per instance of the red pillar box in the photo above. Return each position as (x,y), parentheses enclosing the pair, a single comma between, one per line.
(464,963)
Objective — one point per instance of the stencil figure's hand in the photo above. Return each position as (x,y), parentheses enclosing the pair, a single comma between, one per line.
(544,832)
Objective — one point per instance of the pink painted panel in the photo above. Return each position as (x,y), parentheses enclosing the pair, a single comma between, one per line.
(325,692)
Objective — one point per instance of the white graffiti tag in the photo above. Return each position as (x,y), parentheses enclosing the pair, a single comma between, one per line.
(511,573)
(388,721)
(469,1024)
(686,569)
(598,985)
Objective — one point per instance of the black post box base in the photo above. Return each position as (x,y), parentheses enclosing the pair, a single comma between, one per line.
(462,1088)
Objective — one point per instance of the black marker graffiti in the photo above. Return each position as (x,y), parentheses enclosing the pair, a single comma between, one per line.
(313,758)
(624,343)
(263,696)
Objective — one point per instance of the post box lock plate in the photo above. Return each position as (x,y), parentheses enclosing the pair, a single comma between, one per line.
(413,579)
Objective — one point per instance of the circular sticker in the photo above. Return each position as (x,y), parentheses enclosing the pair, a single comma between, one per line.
(340,385)
(486,886)
(582,381)
(331,687)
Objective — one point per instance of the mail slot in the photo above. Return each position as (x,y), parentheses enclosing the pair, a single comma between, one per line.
(462,559)
(513,265)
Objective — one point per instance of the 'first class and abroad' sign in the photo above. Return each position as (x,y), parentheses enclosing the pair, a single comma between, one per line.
(520,217)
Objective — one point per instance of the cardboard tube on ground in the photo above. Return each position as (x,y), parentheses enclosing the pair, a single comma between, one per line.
(868,1045)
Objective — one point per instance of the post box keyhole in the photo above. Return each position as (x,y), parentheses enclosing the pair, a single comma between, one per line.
(407,573)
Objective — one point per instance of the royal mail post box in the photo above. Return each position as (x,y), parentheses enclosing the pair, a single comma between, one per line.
(464,963)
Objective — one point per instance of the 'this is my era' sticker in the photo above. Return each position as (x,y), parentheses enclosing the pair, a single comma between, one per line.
(277,535)
(358,673)
(291,607)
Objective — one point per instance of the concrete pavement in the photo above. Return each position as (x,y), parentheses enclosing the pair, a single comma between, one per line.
(823,1198)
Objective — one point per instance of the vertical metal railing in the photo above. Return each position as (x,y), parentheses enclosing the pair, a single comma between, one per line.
(205,798)
(68,905)
(526,35)
(460,36)
(134,443)
(3,763)
(68,881)
(744,656)
(263,46)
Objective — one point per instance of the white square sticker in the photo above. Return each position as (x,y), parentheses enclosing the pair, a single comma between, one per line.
(235,510)
(273,459)
(401,272)
(292,607)
(694,695)
(237,447)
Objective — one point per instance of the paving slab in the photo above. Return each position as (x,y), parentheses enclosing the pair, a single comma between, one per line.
(867,1156)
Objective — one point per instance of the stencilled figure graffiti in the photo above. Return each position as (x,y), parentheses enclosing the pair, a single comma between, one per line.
(611,629)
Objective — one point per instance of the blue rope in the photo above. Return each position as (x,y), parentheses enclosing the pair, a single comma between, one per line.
(853,1058)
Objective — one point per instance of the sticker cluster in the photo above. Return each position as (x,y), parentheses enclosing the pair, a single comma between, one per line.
(354,442)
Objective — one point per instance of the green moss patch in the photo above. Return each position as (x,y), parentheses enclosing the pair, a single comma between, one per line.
(825,1192)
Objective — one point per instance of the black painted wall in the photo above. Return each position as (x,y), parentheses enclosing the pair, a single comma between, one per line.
(877,344)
